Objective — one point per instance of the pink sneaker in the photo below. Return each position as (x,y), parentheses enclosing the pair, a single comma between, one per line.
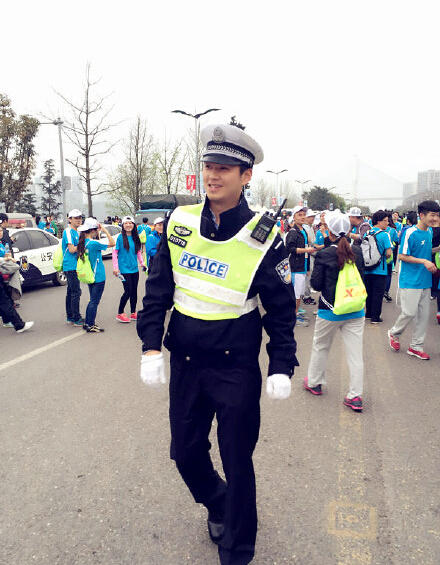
(394,342)
(123,318)
(420,354)
(134,316)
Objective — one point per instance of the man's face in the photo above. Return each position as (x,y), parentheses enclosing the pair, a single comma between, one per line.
(300,217)
(1,232)
(76,222)
(383,224)
(355,220)
(429,219)
(395,216)
(309,220)
(158,227)
(223,183)
(5,224)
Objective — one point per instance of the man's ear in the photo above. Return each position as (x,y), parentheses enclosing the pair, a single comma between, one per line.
(246,177)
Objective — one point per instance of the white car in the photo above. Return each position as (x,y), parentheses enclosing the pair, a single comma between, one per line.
(113,231)
(35,248)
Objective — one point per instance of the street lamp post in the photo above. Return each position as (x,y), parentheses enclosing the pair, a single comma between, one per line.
(277,173)
(58,122)
(197,157)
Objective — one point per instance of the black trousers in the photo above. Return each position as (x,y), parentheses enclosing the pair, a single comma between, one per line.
(230,389)
(130,292)
(7,311)
(375,285)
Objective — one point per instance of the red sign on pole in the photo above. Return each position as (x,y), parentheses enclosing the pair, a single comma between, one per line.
(190,182)
(274,200)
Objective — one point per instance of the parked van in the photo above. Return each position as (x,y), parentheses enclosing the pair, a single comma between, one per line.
(20,220)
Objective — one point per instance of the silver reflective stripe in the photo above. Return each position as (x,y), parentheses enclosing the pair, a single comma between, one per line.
(207,308)
(210,289)
(181,217)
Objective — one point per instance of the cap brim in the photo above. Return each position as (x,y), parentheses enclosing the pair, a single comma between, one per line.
(222,159)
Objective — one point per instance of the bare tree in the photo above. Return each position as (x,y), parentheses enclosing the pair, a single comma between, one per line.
(261,192)
(135,177)
(172,162)
(87,130)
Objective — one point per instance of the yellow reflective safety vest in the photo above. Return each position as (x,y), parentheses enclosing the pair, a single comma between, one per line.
(212,278)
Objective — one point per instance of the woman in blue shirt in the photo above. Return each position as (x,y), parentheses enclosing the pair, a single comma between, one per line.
(89,244)
(153,241)
(125,256)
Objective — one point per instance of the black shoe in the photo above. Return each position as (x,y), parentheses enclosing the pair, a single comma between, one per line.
(216,529)
(94,329)
(387,297)
(376,320)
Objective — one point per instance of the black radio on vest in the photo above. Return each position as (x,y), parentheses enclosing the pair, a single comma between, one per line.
(267,221)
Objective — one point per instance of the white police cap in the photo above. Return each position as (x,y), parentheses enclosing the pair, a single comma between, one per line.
(229,145)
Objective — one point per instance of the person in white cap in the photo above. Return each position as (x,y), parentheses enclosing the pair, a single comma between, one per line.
(89,243)
(125,256)
(298,247)
(308,226)
(212,262)
(358,224)
(328,264)
(153,240)
(69,244)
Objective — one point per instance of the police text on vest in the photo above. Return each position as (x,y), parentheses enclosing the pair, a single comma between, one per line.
(203,265)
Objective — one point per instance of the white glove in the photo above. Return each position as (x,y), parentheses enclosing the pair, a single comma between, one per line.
(278,386)
(153,370)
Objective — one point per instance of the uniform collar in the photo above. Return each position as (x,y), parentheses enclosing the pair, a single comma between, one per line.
(231,221)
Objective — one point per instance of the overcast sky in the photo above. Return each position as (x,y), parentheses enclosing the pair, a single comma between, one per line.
(315,82)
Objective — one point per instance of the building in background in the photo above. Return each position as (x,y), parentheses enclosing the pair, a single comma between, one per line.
(428,181)
(409,188)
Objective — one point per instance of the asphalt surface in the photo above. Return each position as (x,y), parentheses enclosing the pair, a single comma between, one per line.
(85,474)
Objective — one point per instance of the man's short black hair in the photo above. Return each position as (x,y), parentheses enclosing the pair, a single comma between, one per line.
(428,206)
(244,168)
(412,217)
(379,216)
(145,220)
(4,217)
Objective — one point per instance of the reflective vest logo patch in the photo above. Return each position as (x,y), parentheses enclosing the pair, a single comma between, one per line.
(182,230)
(203,265)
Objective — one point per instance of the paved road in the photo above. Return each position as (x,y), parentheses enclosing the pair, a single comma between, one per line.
(86,478)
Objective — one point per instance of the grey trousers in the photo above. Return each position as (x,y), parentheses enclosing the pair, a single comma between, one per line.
(414,305)
(352,333)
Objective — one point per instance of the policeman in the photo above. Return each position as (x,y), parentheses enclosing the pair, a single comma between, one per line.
(210,269)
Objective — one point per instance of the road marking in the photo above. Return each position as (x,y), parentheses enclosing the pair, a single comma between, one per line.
(350,520)
(35,352)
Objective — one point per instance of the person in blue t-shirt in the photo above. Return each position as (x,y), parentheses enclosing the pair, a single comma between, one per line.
(328,264)
(126,255)
(89,244)
(144,227)
(391,261)
(153,241)
(321,236)
(69,242)
(415,280)
(376,278)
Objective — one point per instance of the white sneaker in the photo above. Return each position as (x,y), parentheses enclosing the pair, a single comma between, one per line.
(27,326)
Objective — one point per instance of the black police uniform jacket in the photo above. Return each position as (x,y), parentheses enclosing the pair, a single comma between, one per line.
(239,336)
(326,271)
